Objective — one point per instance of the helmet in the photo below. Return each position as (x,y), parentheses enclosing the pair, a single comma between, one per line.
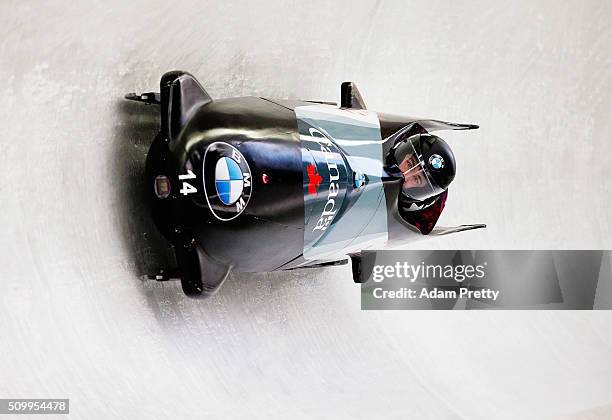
(427,164)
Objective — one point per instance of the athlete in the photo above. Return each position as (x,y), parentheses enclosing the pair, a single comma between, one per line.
(427,165)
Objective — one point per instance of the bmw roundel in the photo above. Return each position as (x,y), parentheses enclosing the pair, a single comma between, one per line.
(227,180)
(436,162)
(359,179)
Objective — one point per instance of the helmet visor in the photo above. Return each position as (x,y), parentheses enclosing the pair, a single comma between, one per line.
(418,183)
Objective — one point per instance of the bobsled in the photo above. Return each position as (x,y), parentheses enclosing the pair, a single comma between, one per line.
(256,184)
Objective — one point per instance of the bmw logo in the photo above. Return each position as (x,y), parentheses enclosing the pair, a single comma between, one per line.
(436,162)
(359,179)
(227,180)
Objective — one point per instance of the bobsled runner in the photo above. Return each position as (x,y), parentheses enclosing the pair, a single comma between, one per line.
(257,184)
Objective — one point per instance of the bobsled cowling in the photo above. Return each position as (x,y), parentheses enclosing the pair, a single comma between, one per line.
(255,184)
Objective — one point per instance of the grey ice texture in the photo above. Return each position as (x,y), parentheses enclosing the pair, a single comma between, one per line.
(76,320)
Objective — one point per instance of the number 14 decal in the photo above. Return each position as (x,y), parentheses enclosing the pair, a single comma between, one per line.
(187,187)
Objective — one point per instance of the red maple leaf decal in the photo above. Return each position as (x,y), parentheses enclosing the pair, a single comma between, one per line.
(314,179)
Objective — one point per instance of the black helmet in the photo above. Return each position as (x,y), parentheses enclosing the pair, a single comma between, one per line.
(427,164)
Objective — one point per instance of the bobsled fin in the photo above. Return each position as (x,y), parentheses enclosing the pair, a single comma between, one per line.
(435,125)
(181,94)
(201,276)
(438,231)
(350,96)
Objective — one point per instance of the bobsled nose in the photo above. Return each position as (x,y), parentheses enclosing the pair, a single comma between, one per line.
(162,188)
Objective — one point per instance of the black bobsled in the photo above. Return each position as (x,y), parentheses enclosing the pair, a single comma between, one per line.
(257,184)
